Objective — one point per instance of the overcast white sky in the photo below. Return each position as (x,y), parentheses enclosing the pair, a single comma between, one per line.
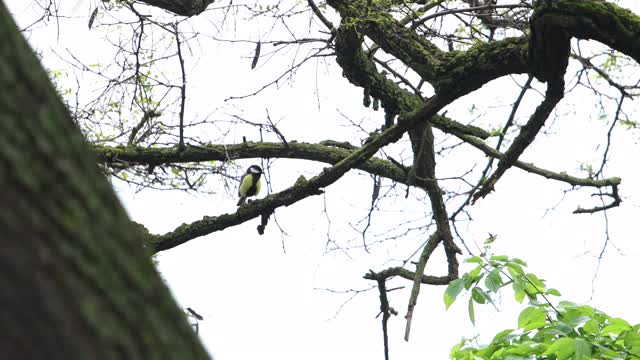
(260,301)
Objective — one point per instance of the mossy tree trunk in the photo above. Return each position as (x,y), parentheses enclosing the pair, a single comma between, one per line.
(75,281)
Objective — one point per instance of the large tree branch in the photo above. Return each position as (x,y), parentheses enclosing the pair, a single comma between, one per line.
(585,19)
(482,63)
(123,157)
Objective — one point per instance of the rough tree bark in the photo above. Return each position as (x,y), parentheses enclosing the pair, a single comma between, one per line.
(76,289)
(76,282)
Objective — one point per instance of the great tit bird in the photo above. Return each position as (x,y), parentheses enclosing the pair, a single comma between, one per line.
(249,184)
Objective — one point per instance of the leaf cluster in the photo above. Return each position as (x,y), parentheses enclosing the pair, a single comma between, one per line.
(564,331)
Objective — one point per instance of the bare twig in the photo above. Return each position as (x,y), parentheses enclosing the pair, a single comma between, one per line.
(183,87)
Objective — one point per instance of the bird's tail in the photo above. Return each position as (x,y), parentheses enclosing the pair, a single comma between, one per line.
(242,201)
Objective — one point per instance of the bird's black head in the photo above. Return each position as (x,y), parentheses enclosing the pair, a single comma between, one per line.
(254,169)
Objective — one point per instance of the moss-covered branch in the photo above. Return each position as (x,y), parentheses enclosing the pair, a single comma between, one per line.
(459,72)
(368,18)
(316,152)
(466,71)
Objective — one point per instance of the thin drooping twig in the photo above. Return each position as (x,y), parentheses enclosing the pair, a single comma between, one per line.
(276,130)
(613,124)
(183,87)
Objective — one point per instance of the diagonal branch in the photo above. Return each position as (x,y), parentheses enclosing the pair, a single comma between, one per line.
(526,136)
(303,188)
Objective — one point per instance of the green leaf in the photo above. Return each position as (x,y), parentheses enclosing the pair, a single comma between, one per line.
(478,295)
(567,305)
(558,328)
(583,349)
(494,280)
(616,327)
(491,238)
(562,348)
(519,284)
(524,349)
(474,274)
(532,318)
(472,278)
(503,335)
(502,258)
(538,283)
(453,290)
(472,313)
(576,317)
(514,269)
(606,352)
(592,327)
(474,259)
(553,292)
(456,349)
(632,340)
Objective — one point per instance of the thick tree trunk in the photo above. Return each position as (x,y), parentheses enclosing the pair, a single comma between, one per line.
(75,282)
